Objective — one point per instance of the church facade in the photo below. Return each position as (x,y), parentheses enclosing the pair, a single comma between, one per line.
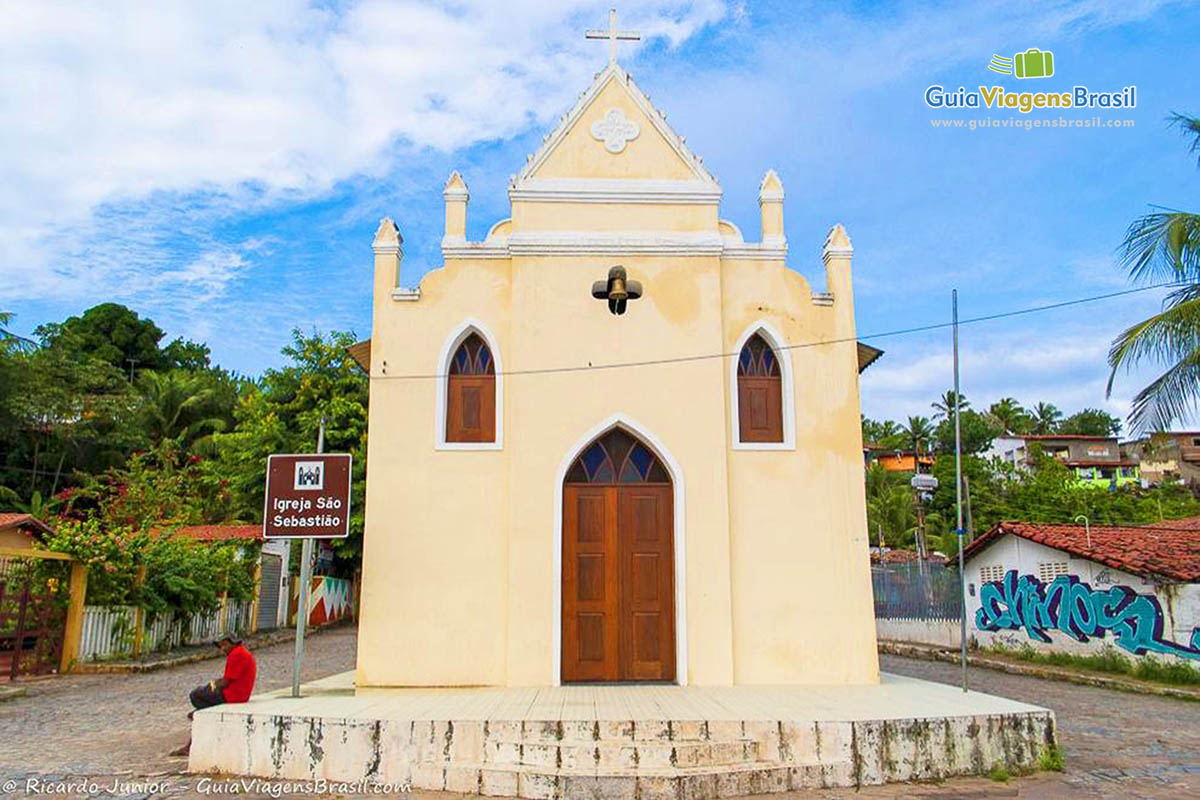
(614,441)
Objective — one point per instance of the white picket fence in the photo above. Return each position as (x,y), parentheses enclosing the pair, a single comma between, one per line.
(108,630)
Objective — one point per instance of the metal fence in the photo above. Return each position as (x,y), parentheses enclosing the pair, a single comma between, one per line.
(916,591)
(108,631)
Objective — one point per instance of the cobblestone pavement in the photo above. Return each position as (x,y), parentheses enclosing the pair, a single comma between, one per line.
(107,725)
(120,727)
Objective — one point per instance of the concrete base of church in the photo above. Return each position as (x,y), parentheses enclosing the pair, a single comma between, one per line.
(635,741)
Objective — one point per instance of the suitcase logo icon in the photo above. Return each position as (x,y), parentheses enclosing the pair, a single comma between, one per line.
(1033,63)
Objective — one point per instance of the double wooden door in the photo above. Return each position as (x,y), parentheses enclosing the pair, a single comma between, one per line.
(618,583)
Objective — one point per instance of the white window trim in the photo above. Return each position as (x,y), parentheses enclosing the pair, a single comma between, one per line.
(784,357)
(679,511)
(465,329)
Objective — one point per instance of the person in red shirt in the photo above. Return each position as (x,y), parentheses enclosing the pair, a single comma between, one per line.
(235,685)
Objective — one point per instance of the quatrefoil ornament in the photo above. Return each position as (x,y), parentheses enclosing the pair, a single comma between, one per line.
(615,130)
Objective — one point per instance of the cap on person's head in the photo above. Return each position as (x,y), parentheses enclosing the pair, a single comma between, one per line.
(228,637)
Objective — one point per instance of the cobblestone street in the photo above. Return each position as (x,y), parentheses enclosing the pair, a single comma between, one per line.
(1117,745)
(112,724)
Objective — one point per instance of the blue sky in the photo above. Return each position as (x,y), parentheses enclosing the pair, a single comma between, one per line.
(221,167)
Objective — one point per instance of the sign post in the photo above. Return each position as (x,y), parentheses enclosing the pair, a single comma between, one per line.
(307,498)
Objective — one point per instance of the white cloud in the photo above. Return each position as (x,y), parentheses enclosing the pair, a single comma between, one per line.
(115,103)
(1068,368)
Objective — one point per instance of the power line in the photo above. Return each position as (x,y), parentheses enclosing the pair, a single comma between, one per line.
(800,345)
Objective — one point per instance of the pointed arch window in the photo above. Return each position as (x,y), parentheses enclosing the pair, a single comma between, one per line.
(617,457)
(471,393)
(760,392)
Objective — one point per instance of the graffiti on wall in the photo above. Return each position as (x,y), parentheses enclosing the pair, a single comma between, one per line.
(1069,605)
(330,599)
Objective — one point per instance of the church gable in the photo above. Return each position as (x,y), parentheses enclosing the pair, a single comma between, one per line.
(614,132)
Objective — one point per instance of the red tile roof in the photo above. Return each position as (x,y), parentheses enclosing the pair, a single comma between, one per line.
(1169,549)
(220,533)
(905,557)
(18,520)
(1074,437)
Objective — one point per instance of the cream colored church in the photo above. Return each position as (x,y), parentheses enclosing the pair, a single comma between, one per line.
(615,441)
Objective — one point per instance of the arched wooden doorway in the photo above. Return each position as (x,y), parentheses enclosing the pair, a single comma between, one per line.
(618,588)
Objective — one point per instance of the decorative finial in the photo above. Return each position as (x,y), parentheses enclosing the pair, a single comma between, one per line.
(387,237)
(771,187)
(613,35)
(838,241)
(455,188)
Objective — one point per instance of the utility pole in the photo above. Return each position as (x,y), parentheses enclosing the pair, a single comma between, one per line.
(922,551)
(306,557)
(970,519)
(131,362)
(958,492)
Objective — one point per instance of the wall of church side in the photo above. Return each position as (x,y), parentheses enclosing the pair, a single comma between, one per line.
(435,547)
(801,585)
(556,323)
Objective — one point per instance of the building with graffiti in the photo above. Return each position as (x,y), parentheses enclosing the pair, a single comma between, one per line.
(1080,588)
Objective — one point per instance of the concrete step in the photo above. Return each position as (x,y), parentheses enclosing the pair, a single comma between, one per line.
(570,731)
(621,755)
(694,783)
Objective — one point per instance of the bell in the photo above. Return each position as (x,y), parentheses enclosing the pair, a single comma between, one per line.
(616,286)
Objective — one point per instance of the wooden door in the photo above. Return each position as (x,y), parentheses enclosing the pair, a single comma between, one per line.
(618,583)
(647,583)
(590,598)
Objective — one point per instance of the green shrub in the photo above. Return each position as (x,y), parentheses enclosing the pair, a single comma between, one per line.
(1051,759)
(999,774)
(1167,671)
(1108,659)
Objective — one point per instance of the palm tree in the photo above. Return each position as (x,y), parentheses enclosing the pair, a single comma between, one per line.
(1164,247)
(175,406)
(944,407)
(919,430)
(1045,418)
(10,340)
(891,511)
(1008,414)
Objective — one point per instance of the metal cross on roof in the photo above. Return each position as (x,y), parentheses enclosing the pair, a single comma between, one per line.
(613,35)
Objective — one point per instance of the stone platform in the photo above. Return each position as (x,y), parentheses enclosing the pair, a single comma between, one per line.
(634,741)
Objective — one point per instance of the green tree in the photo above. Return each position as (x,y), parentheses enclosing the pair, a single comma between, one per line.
(943,408)
(282,412)
(919,431)
(977,432)
(110,332)
(1008,415)
(1164,246)
(10,341)
(1045,418)
(1090,422)
(116,334)
(184,354)
(885,434)
(64,412)
(889,507)
(185,408)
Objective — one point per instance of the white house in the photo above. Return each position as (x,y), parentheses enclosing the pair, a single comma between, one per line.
(1078,588)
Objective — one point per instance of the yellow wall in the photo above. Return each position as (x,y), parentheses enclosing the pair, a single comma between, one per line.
(459,570)
(15,538)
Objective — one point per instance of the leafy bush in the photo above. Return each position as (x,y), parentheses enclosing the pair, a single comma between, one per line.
(182,575)
(1051,759)
(1109,659)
